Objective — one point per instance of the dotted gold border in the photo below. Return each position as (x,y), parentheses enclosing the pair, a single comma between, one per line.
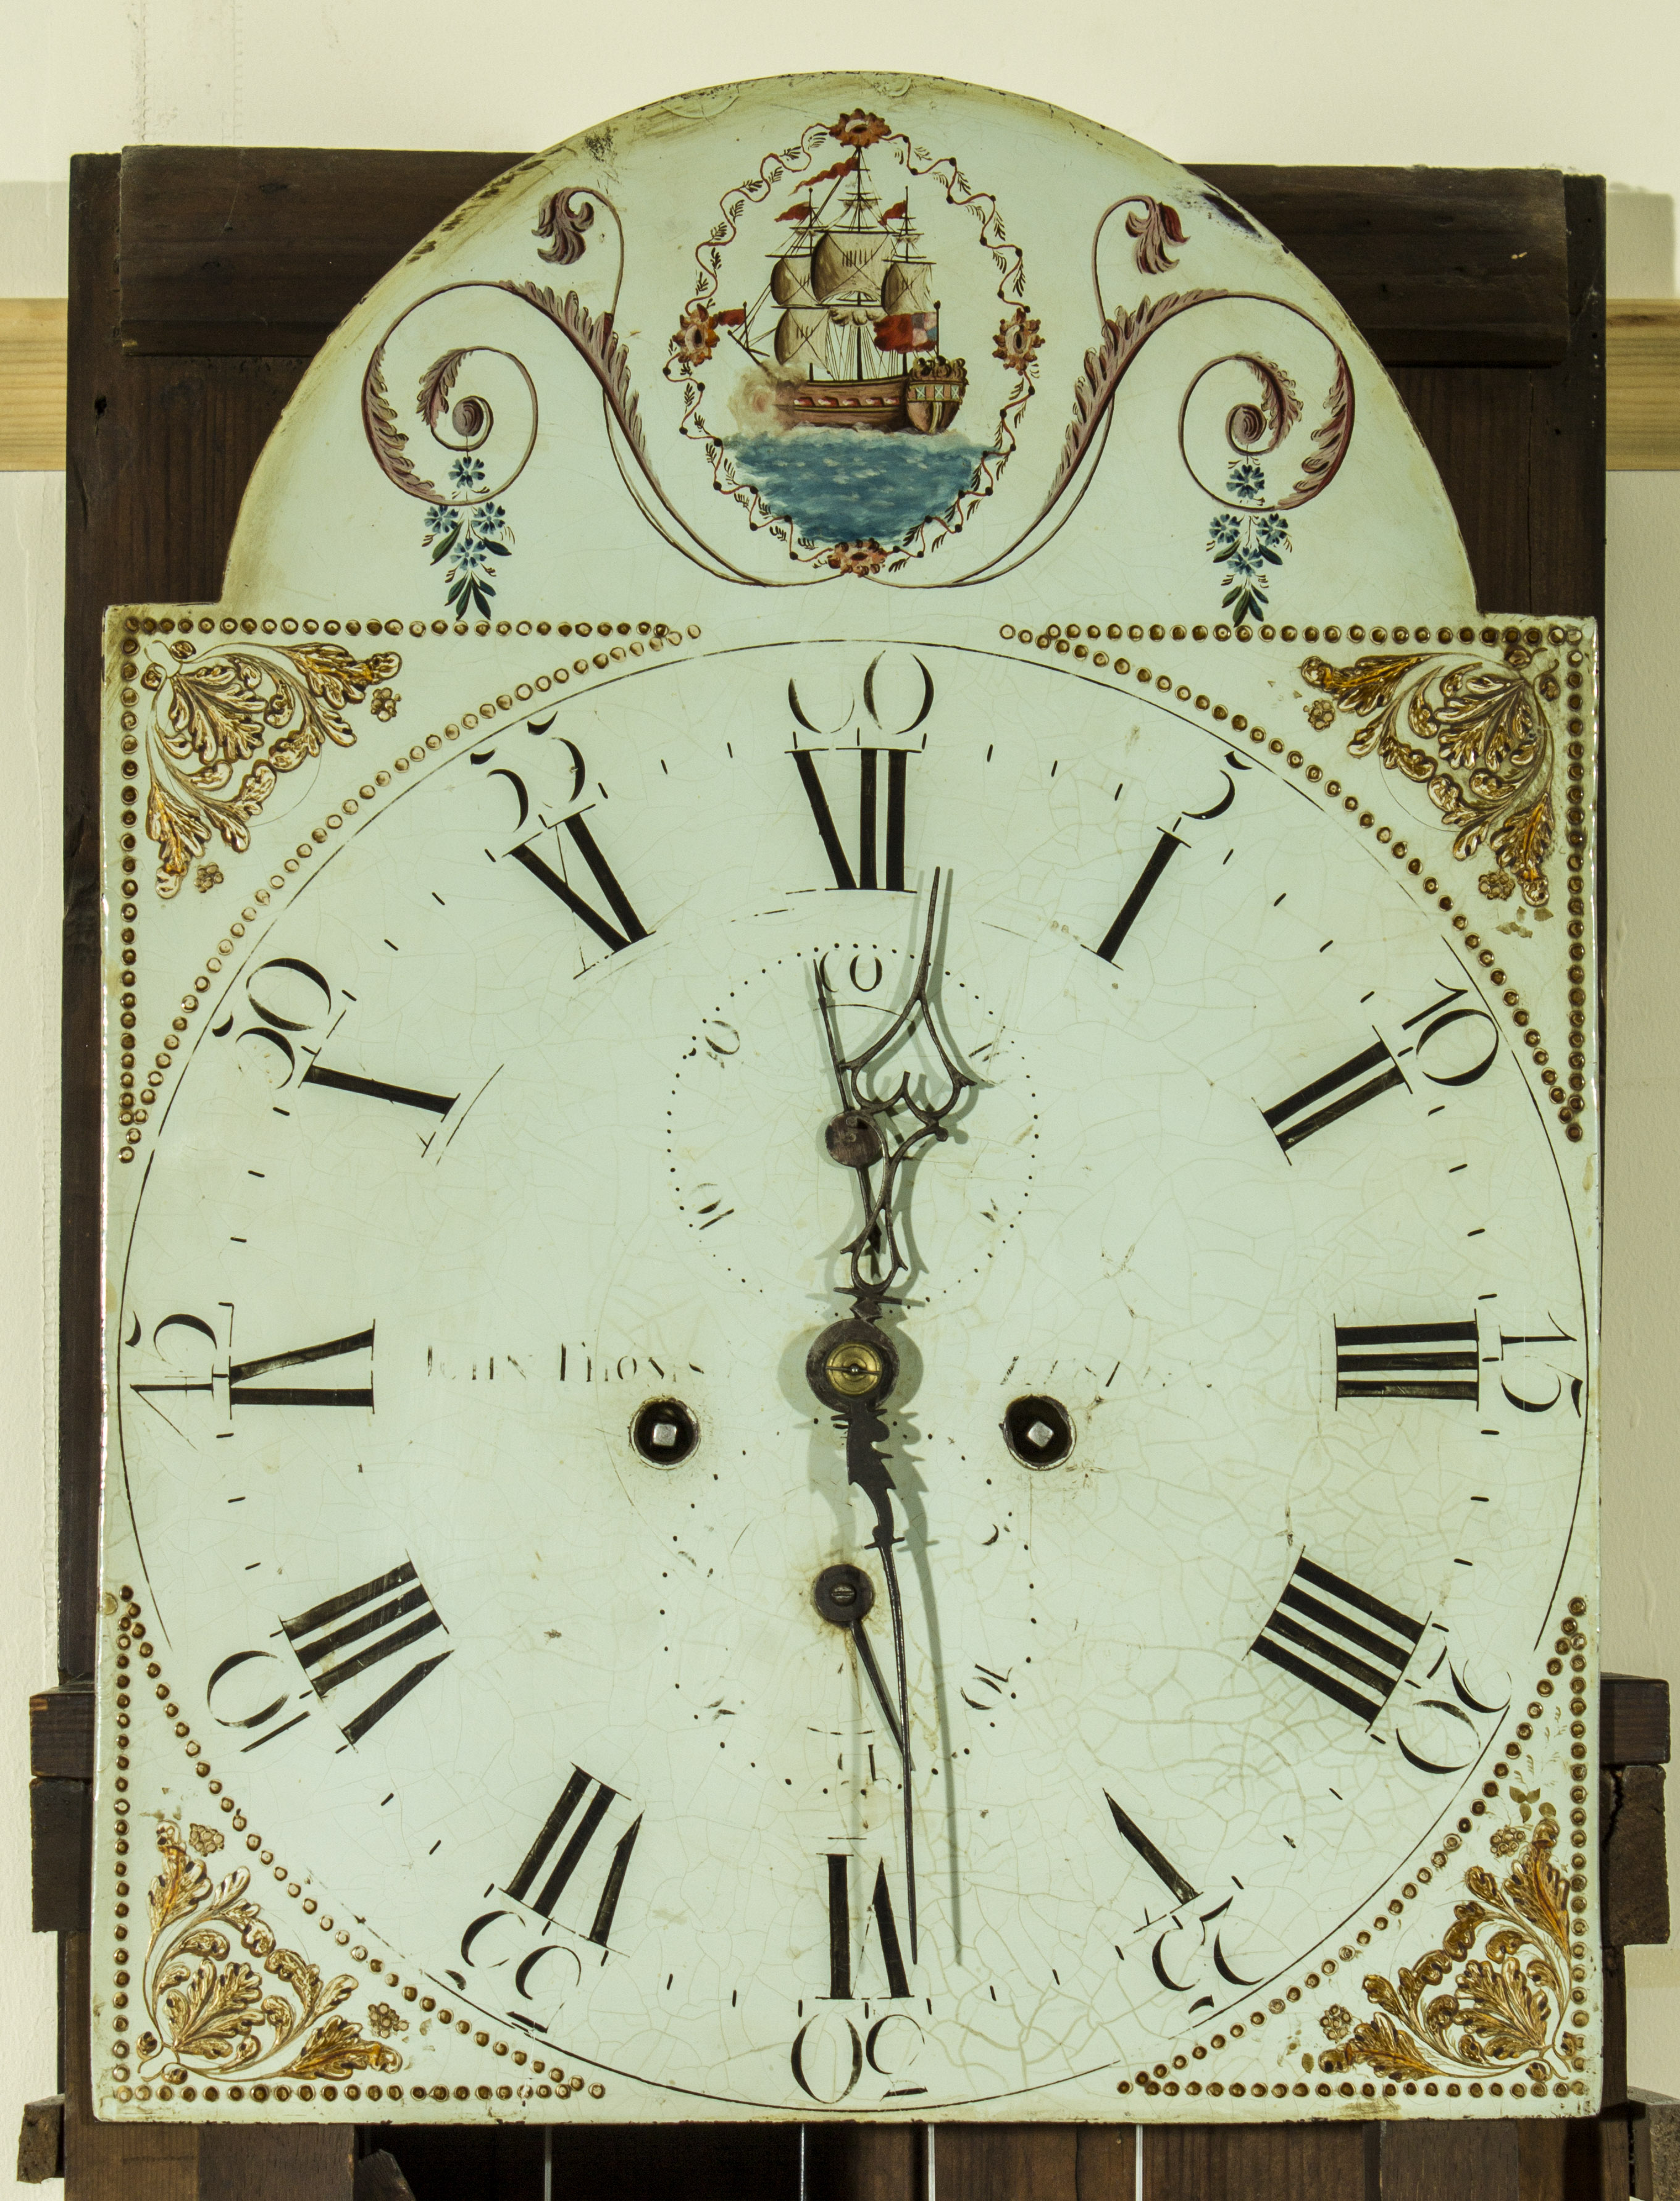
(137,1090)
(1566,1090)
(548,2082)
(1164,2078)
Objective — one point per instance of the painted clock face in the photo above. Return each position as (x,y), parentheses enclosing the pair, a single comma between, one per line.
(986,1742)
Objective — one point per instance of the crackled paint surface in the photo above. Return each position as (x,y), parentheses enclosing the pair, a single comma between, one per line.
(471,1739)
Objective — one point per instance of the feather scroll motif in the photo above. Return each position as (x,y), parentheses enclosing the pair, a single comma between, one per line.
(231,722)
(1506,2012)
(213,2013)
(1475,734)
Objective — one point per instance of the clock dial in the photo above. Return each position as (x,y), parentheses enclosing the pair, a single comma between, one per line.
(1236,1340)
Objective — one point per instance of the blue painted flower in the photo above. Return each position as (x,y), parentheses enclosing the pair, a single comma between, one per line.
(439,518)
(468,473)
(490,520)
(1247,562)
(1272,531)
(1223,533)
(1247,482)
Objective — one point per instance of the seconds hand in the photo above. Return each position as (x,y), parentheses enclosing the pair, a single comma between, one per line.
(852,1366)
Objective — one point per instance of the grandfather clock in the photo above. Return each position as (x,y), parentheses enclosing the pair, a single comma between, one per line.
(831,1063)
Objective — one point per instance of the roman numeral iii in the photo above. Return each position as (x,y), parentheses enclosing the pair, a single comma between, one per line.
(878,849)
(1346,1644)
(554,1857)
(346,1636)
(1406,1360)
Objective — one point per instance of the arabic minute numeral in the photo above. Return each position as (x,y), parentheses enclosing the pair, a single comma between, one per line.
(1348,1646)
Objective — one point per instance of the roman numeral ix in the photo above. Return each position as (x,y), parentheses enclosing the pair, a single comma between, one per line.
(1339,1639)
(556,1853)
(347,1635)
(1406,1360)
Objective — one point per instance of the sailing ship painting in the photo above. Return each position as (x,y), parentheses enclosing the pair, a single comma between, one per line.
(856,339)
(847,407)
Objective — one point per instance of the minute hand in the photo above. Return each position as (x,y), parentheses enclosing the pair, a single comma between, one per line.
(863,1136)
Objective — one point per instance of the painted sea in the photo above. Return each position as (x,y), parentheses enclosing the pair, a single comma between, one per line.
(851,485)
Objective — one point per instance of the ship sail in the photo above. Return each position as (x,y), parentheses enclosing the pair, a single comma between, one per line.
(801,338)
(904,287)
(851,261)
(791,281)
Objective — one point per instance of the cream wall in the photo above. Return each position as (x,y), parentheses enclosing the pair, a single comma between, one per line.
(1453,82)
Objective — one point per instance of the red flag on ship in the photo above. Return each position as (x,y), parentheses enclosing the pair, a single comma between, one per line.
(899,212)
(840,168)
(800,213)
(907,332)
(730,317)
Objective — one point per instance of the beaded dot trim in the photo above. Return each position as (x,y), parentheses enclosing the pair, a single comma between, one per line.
(549,2082)
(621,641)
(1567,1094)
(1572,1644)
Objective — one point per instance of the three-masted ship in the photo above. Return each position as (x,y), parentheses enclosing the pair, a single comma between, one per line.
(855,337)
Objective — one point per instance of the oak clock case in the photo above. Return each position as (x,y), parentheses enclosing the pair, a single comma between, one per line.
(850,1332)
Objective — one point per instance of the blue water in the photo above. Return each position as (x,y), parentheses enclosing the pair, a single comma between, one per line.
(844,485)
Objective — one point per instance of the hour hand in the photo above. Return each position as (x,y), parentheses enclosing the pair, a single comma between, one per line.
(866,1432)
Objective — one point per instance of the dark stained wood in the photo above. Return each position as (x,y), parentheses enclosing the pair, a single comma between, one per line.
(1461,266)
(1263,2162)
(1634,1858)
(861,2163)
(276,2162)
(1441,2162)
(1633,1728)
(158,454)
(1521,452)
(379,2177)
(1542,2150)
(1034,2162)
(40,2141)
(265,248)
(717,2162)
(242,249)
(60,1732)
(61,1821)
(115,2163)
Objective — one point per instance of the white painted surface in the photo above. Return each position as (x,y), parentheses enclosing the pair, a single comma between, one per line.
(1449,82)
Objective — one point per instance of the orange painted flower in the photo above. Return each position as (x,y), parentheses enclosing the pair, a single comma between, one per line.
(866,557)
(696,336)
(1016,342)
(858,128)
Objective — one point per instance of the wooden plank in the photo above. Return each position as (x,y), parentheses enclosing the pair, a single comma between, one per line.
(40,2141)
(60,1733)
(1633,1727)
(32,353)
(1633,1861)
(265,248)
(1467,267)
(1642,358)
(1034,2162)
(857,2162)
(61,1855)
(1262,2163)
(1521,451)
(276,2162)
(1433,2162)
(158,455)
(113,2162)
